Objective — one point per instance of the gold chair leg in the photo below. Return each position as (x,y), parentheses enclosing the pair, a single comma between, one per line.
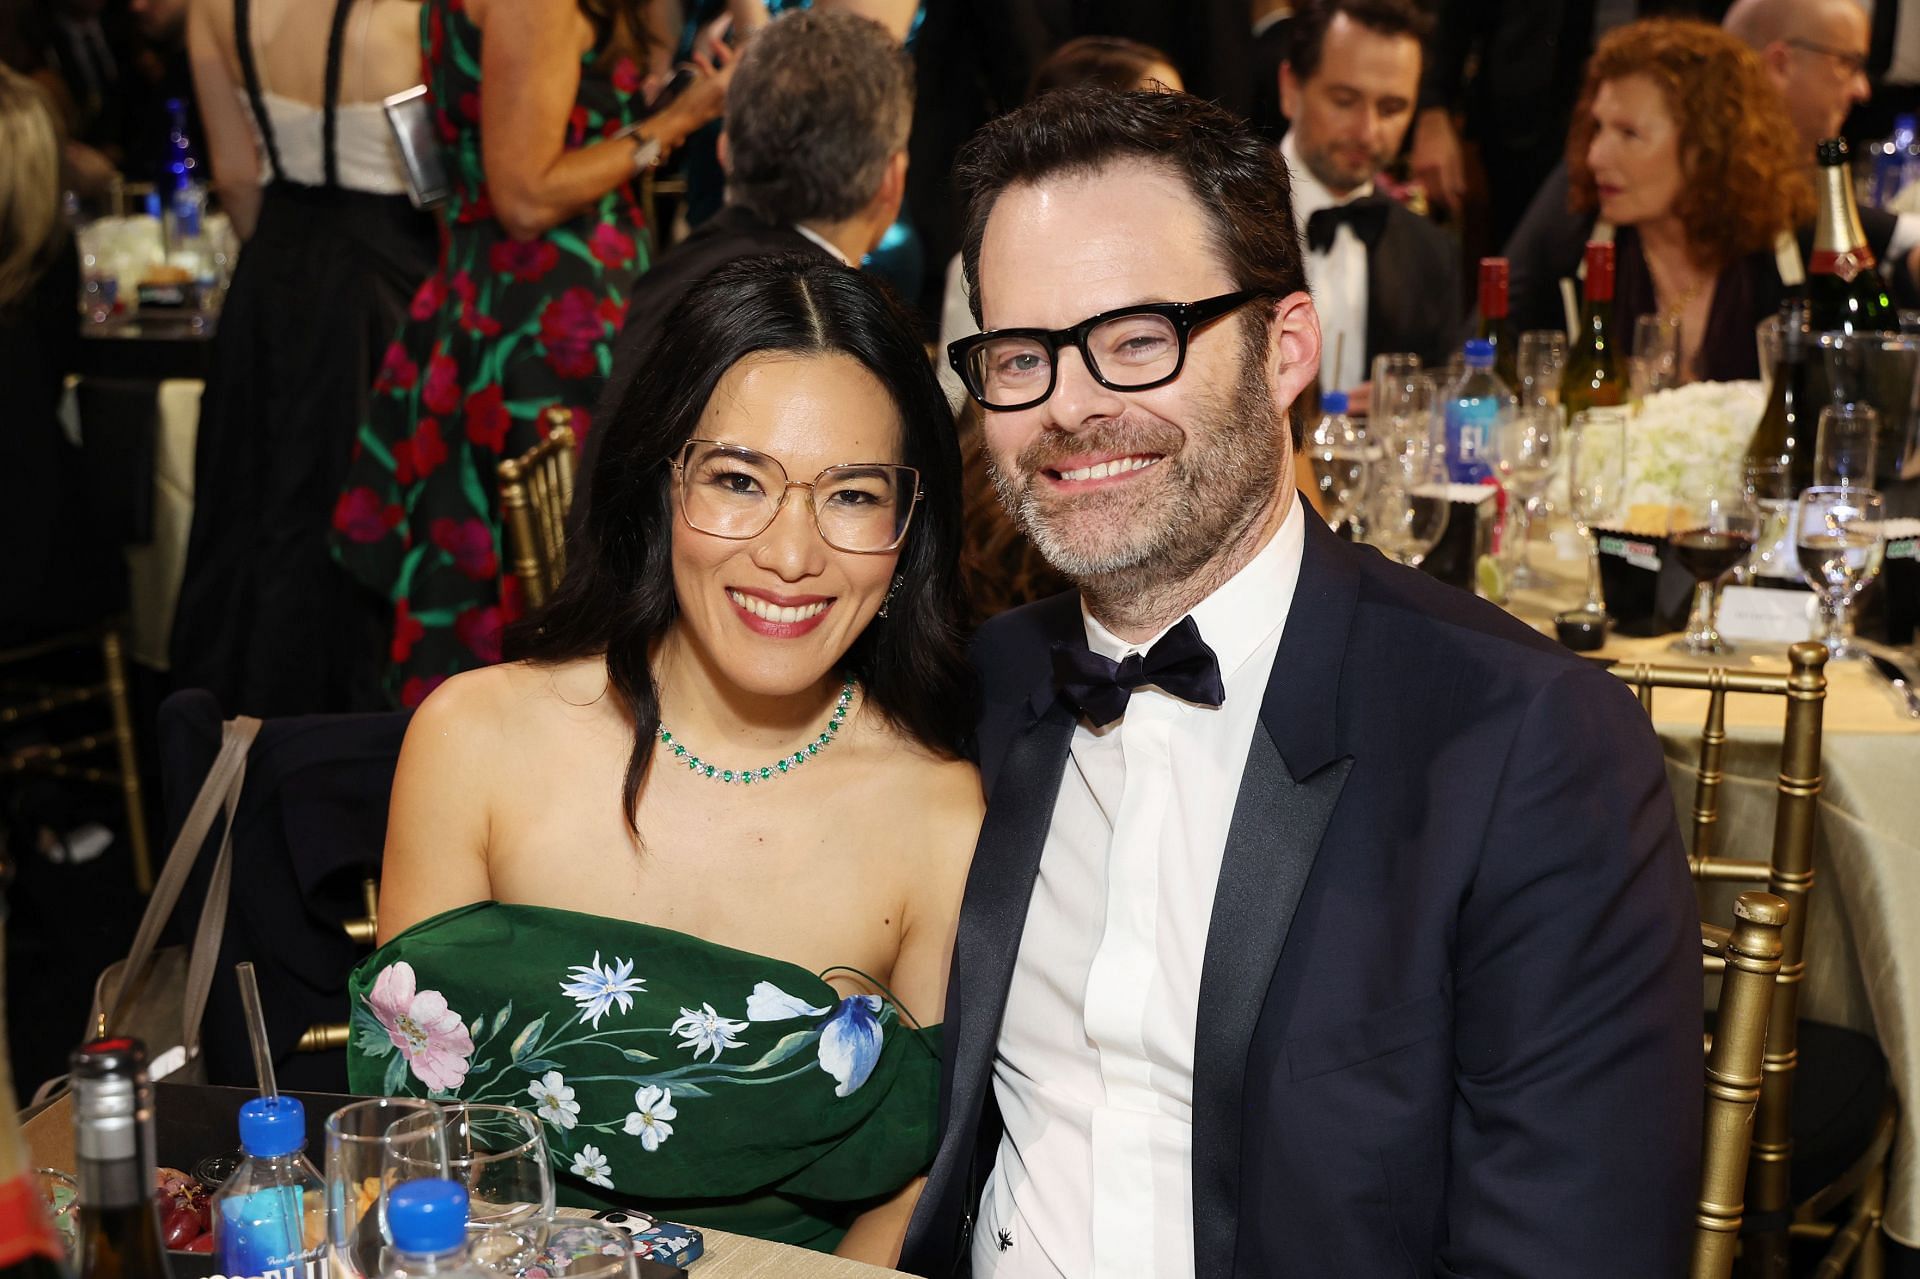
(113,655)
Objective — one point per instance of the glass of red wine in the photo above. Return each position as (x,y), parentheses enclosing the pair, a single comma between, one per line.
(1712,527)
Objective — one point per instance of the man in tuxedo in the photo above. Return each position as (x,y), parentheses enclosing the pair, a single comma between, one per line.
(815,148)
(1383,277)
(1325,921)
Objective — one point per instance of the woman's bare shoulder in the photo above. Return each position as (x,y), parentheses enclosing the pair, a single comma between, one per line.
(512,701)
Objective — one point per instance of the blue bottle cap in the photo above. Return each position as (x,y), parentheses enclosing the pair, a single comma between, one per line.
(273,1126)
(1479,353)
(1333,402)
(428,1215)
(1905,122)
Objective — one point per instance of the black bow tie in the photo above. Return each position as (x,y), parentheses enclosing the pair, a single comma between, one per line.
(1367,216)
(1181,663)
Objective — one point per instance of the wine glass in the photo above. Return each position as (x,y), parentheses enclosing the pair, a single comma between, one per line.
(1655,362)
(1390,369)
(1769,488)
(359,1137)
(570,1247)
(1407,514)
(1711,528)
(1539,363)
(499,1153)
(1840,534)
(1845,446)
(1524,446)
(1337,455)
(1596,481)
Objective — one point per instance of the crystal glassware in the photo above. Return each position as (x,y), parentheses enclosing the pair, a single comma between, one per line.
(1655,363)
(1525,443)
(499,1153)
(1407,513)
(1596,482)
(550,1247)
(1337,454)
(1539,363)
(1712,526)
(1846,446)
(360,1138)
(1840,535)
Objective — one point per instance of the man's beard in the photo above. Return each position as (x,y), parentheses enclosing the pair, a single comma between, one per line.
(1174,523)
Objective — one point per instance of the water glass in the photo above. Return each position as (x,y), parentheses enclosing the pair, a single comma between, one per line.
(499,1153)
(361,1137)
(1769,488)
(1655,363)
(1337,455)
(1540,362)
(1596,483)
(550,1247)
(1840,534)
(1408,510)
(1525,445)
(1711,530)
(1846,446)
(1391,368)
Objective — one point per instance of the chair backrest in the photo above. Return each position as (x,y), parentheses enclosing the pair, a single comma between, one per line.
(1748,955)
(536,489)
(1786,873)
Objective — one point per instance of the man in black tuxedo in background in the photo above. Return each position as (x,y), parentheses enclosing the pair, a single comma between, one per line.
(815,148)
(1383,277)
(1325,920)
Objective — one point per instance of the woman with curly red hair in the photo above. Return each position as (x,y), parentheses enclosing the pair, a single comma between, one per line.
(1682,147)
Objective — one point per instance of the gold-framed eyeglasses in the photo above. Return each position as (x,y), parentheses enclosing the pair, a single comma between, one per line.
(730,491)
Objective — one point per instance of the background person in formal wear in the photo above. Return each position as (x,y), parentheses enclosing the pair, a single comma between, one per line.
(815,145)
(1237,760)
(536,103)
(1383,277)
(305,164)
(557,807)
(1681,143)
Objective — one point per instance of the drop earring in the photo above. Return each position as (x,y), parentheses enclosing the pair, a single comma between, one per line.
(892,588)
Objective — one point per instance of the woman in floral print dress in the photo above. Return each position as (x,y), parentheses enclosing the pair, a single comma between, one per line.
(534,100)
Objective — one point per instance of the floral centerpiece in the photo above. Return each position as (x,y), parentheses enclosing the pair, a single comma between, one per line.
(1681,439)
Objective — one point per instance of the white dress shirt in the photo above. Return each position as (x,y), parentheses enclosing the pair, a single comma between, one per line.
(1094,1073)
(823,242)
(1337,277)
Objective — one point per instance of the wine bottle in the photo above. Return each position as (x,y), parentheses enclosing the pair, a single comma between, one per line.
(1848,295)
(29,1246)
(1596,374)
(113,1145)
(1495,325)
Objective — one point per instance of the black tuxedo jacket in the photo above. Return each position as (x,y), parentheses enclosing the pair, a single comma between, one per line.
(1450,1010)
(1413,289)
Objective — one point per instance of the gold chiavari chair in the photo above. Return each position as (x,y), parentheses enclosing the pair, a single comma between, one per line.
(536,489)
(1777,1209)
(34,697)
(326,1036)
(1748,957)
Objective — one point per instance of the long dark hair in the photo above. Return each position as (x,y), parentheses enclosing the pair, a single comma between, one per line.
(617,598)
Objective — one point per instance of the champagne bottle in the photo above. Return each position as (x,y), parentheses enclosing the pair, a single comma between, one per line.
(1596,375)
(1848,295)
(113,1144)
(1495,325)
(29,1247)
(1785,433)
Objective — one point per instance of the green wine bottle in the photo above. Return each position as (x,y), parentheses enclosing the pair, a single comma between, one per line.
(1848,295)
(1596,376)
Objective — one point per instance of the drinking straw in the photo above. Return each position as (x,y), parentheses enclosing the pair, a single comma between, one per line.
(256,1029)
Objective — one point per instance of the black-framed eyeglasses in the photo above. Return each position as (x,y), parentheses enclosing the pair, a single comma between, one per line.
(1134,348)
(730,491)
(1855,63)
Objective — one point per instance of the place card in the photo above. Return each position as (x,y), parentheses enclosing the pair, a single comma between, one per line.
(1765,614)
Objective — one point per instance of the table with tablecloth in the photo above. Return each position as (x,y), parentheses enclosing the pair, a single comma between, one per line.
(1863,948)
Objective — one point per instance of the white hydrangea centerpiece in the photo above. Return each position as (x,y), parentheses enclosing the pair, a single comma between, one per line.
(1684,438)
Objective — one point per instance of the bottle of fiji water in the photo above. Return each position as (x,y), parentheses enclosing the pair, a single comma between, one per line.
(1892,164)
(182,189)
(428,1222)
(271,1214)
(1475,404)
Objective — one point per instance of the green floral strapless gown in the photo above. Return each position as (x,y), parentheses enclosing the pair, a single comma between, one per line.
(706,1085)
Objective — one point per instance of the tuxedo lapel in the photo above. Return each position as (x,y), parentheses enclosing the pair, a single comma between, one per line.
(1293,779)
(1005,864)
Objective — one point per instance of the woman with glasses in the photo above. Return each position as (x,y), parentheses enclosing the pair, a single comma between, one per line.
(682,878)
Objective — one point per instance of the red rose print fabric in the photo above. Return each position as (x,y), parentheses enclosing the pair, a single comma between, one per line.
(503,330)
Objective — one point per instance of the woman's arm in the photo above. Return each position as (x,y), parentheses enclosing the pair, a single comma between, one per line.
(876,1234)
(437,823)
(530,54)
(230,145)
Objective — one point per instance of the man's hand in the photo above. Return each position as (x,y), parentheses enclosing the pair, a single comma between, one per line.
(1436,159)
